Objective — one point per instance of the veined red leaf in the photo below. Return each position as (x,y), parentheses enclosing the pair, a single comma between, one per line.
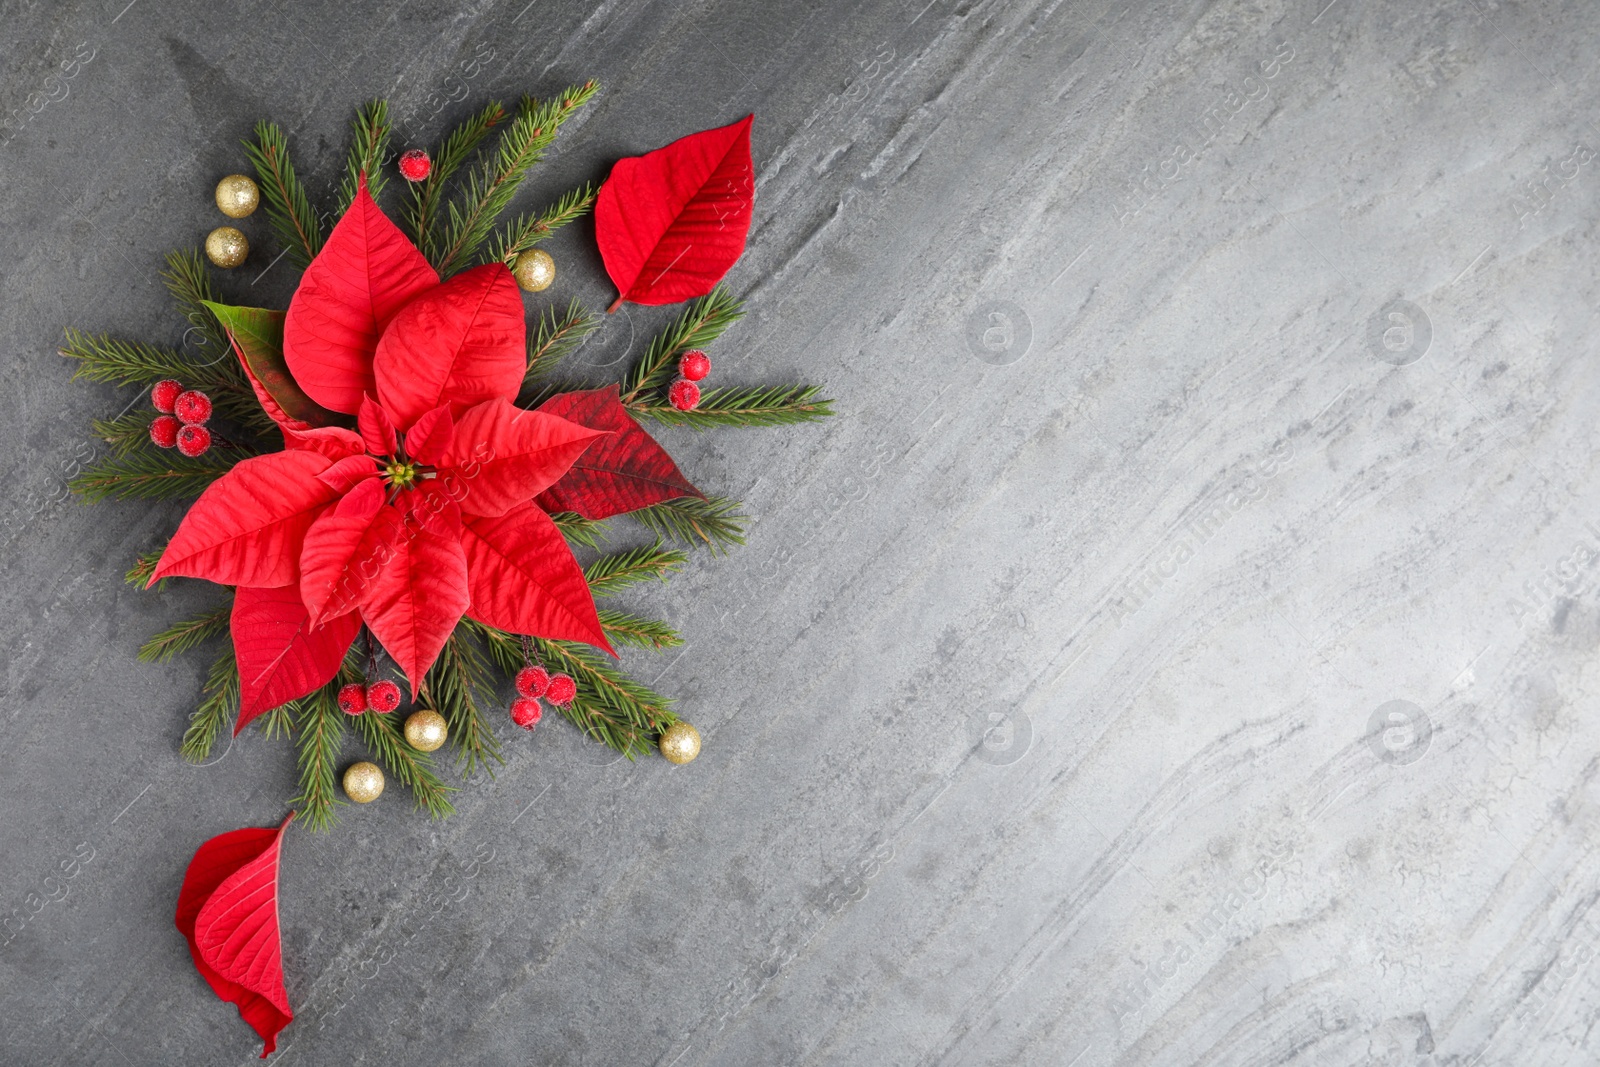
(413,602)
(430,436)
(377,429)
(349,472)
(623,472)
(257,336)
(525,581)
(345,550)
(364,274)
(247,527)
(460,344)
(671,222)
(502,455)
(335,442)
(263,1004)
(281,656)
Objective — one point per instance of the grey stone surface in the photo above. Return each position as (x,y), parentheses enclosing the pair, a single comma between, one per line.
(1179,651)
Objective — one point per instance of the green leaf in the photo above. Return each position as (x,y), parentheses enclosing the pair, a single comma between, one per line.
(257,336)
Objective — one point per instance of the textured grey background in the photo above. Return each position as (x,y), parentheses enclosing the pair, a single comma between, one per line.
(1212,375)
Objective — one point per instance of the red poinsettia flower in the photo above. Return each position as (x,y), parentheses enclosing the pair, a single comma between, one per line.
(422,513)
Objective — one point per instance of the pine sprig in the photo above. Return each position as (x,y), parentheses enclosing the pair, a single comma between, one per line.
(452,687)
(702,322)
(423,212)
(125,433)
(623,628)
(488,190)
(320,737)
(189,281)
(528,230)
(616,572)
(181,637)
(369,144)
(557,335)
(148,475)
(106,359)
(414,769)
(143,567)
(289,209)
(279,721)
(714,522)
(778,405)
(216,710)
(586,533)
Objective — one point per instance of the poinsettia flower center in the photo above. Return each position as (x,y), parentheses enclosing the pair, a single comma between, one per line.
(400,473)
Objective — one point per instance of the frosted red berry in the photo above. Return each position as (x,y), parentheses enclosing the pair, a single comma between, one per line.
(164,393)
(533,681)
(353,698)
(192,407)
(561,690)
(526,712)
(164,431)
(415,165)
(694,365)
(383,697)
(193,440)
(684,395)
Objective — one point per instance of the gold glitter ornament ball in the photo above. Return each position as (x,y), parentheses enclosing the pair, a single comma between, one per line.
(363,782)
(237,196)
(681,743)
(425,730)
(226,247)
(535,270)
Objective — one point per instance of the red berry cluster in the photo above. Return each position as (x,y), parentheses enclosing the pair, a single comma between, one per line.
(181,423)
(536,682)
(381,697)
(693,366)
(415,165)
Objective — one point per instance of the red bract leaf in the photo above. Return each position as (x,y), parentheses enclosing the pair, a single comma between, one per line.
(335,442)
(460,344)
(502,456)
(416,598)
(349,472)
(262,1001)
(247,526)
(671,222)
(281,656)
(345,550)
(377,429)
(431,435)
(355,286)
(623,472)
(525,581)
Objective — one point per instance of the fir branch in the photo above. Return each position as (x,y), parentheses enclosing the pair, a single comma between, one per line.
(489,190)
(778,405)
(189,281)
(216,711)
(557,335)
(143,567)
(586,533)
(613,573)
(414,769)
(279,721)
(105,359)
(181,637)
(528,230)
(321,733)
(125,433)
(423,211)
(714,522)
(452,687)
(369,144)
(623,628)
(289,210)
(149,475)
(701,323)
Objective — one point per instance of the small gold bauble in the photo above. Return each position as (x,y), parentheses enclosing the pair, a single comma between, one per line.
(237,196)
(535,270)
(363,782)
(425,730)
(681,743)
(226,247)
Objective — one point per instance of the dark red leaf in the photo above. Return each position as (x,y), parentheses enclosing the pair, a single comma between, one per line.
(624,472)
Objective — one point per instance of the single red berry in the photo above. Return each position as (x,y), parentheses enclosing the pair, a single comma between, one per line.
(383,697)
(164,393)
(415,165)
(562,690)
(533,681)
(164,431)
(193,440)
(694,365)
(353,698)
(526,712)
(684,394)
(192,407)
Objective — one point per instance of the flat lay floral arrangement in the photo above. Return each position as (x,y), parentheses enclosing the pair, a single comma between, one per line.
(390,479)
